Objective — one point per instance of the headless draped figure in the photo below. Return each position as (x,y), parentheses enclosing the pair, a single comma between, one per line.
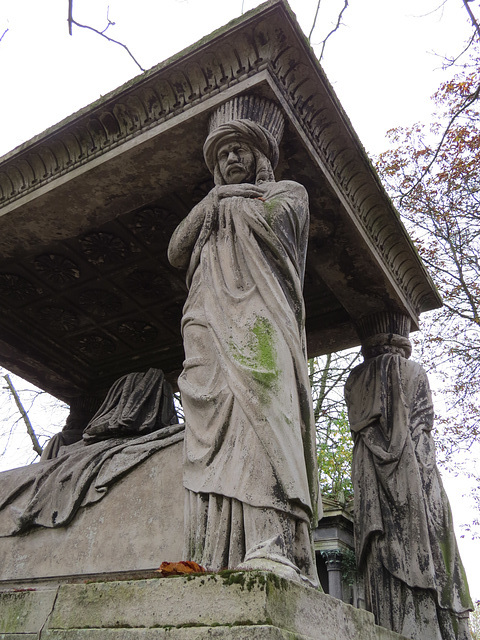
(415,583)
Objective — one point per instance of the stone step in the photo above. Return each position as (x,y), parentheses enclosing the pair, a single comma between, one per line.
(230,604)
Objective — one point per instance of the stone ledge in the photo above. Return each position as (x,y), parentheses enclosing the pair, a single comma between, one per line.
(237,605)
(262,632)
(24,612)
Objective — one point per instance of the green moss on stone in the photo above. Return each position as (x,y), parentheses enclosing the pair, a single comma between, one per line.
(275,583)
(260,355)
(22,608)
(246,579)
(14,612)
(269,206)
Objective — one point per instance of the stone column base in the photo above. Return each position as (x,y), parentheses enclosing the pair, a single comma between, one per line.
(237,605)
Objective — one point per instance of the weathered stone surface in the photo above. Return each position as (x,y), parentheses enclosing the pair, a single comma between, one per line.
(238,598)
(136,525)
(415,582)
(241,606)
(386,634)
(249,426)
(87,209)
(182,603)
(261,632)
(18,636)
(23,612)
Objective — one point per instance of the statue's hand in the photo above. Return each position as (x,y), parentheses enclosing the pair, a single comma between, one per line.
(242,190)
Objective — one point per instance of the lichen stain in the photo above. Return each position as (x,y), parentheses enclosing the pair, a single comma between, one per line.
(270,206)
(260,356)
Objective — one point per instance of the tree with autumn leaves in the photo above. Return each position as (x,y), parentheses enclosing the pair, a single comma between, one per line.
(328,375)
(433,174)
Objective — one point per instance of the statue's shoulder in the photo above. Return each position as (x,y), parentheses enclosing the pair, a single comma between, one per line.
(294,189)
(416,371)
(291,184)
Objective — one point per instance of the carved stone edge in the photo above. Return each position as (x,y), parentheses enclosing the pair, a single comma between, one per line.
(267,38)
(164,92)
(314,104)
(332,558)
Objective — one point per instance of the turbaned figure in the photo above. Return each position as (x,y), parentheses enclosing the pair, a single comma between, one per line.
(250,466)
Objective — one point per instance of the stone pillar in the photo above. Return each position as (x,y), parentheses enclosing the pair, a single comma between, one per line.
(333,562)
(413,566)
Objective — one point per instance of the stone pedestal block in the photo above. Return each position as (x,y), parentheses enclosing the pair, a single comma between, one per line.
(237,605)
(136,525)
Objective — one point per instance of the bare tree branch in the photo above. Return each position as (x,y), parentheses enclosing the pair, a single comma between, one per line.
(450,62)
(472,17)
(110,23)
(101,33)
(336,27)
(71,22)
(314,21)
(36,445)
(70,17)
(327,377)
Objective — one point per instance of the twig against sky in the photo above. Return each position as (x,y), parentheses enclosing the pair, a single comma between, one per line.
(102,33)
(450,62)
(70,16)
(35,443)
(314,21)
(472,17)
(468,102)
(336,27)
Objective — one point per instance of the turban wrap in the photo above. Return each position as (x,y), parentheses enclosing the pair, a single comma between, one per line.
(260,140)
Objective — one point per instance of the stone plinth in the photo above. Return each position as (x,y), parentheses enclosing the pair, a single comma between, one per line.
(136,525)
(239,605)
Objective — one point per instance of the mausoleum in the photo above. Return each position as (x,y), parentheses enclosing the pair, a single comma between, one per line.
(87,210)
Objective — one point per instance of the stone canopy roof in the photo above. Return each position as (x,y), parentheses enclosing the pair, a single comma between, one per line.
(87,209)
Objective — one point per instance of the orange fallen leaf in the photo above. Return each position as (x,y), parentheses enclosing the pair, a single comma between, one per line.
(179,568)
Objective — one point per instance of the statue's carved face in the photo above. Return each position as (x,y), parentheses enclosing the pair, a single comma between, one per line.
(236,162)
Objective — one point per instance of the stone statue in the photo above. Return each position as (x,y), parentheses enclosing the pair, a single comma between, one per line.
(406,549)
(136,404)
(136,419)
(250,465)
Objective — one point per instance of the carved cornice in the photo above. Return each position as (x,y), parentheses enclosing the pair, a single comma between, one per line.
(164,92)
(267,38)
(313,102)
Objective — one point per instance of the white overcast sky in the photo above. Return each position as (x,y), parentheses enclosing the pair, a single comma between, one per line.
(384,63)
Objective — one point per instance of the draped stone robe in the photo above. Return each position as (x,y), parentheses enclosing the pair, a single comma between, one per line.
(414,579)
(245,389)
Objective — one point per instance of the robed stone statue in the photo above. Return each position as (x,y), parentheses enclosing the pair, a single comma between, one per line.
(406,550)
(250,466)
